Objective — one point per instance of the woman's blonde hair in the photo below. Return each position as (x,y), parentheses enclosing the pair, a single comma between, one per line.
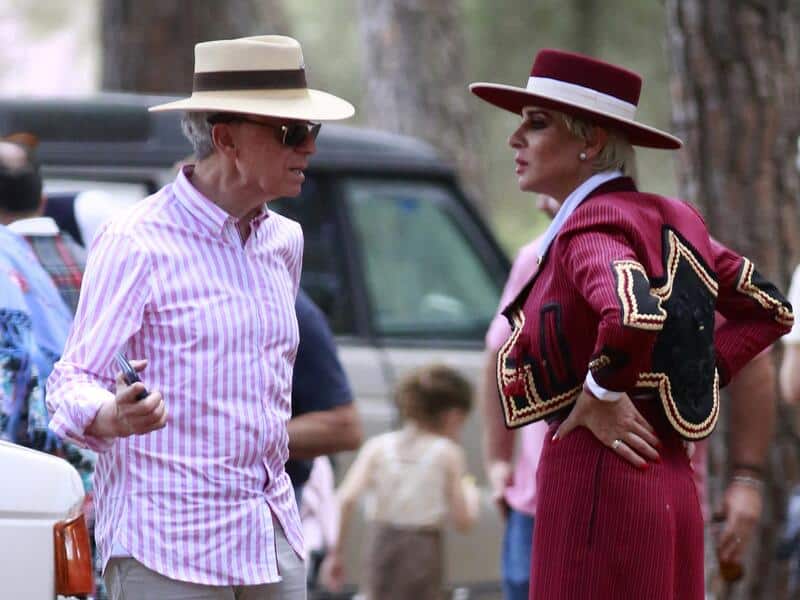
(426,393)
(618,152)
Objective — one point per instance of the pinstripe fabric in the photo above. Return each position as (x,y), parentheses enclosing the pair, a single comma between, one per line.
(170,281)
(607,531)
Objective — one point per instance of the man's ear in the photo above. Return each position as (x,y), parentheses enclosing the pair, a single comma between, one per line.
(596,142)
(223,138)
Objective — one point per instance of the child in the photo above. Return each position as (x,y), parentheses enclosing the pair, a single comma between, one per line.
(415,479)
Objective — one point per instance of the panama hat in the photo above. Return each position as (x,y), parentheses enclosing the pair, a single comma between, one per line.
(259,75)
(582,86)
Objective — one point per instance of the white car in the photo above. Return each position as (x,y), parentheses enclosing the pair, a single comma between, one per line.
(41,516)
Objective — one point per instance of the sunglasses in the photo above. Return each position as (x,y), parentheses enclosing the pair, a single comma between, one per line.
(292,135)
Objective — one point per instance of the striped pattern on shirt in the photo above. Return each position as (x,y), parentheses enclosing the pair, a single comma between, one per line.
(171,281)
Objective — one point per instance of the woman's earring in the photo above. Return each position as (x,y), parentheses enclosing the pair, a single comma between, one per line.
(582,155)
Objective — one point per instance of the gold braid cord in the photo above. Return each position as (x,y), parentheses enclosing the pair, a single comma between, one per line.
(783,314)
(535,406)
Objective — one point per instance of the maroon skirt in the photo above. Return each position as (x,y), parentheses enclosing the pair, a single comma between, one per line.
(607,530)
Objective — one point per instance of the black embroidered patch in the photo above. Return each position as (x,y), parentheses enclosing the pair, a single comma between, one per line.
(684,365)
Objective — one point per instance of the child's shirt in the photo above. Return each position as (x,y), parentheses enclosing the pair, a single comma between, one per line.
(408,475)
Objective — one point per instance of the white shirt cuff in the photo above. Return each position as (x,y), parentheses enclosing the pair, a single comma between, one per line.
(600,392)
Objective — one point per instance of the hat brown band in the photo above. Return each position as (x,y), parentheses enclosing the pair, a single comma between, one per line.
(215,81)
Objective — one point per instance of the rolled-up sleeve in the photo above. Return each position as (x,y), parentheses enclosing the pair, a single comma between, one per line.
(114,295)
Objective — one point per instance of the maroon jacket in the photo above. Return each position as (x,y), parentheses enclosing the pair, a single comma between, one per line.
(628,289)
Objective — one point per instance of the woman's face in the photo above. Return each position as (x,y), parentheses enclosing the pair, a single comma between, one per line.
(547,155)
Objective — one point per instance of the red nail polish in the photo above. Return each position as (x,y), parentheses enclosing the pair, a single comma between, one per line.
(644,467)
(554,439)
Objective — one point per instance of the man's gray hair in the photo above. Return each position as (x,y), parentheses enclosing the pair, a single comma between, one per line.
(197,129)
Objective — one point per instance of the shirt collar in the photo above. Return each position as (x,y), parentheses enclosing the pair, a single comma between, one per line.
(578,195)
(204,210)
(35,226)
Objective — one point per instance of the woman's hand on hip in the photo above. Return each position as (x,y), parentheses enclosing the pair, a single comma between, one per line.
(616,424)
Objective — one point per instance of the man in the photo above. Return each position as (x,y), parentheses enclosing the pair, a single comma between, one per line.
(324,419)
(513,489)
(22,207)
(199,281)
(34,319)
(790,366)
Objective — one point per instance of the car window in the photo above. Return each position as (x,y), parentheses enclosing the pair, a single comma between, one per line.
(424,274)
(324,277)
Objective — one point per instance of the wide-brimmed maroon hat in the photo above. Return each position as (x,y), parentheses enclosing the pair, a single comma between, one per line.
(584,87)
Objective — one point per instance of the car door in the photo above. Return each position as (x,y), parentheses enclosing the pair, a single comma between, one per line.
(433,281)
(328,278)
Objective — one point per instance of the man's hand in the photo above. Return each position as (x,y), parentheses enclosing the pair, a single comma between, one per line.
(741,510)
(617,425)
(125,415)
(332,573)
(500,475)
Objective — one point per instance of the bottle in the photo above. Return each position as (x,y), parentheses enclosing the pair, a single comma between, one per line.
(731,571)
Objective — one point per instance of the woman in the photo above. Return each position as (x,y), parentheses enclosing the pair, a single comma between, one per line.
(613,340)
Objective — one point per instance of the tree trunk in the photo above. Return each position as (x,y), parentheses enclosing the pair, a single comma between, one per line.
(148,45)
(586,15)
(414,69)
(736,105)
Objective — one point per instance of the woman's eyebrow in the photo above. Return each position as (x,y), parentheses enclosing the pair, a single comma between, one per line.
(529,113)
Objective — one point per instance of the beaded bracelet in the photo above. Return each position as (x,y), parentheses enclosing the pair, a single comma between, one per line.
(749,481)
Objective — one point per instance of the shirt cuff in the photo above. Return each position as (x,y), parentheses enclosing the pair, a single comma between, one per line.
(72,425)
(601,393)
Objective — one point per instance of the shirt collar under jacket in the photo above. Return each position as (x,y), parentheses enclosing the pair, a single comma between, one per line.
(578,195)
(204,210)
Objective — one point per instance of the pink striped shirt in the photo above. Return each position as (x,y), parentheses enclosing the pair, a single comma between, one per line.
(170,281)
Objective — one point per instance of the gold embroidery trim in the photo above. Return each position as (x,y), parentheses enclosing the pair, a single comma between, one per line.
(536,407)
(599,362)
(745,286)
(630,308)
(630,305)
(693,431)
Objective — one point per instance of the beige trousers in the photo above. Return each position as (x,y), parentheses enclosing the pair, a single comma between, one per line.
(128,579)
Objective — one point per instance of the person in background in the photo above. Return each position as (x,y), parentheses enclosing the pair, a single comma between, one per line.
(324,419)
(319,513)
(790,366)
(415,482)
(790,390)
(22,206)
(34,312)
(198,282)
(513,489)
